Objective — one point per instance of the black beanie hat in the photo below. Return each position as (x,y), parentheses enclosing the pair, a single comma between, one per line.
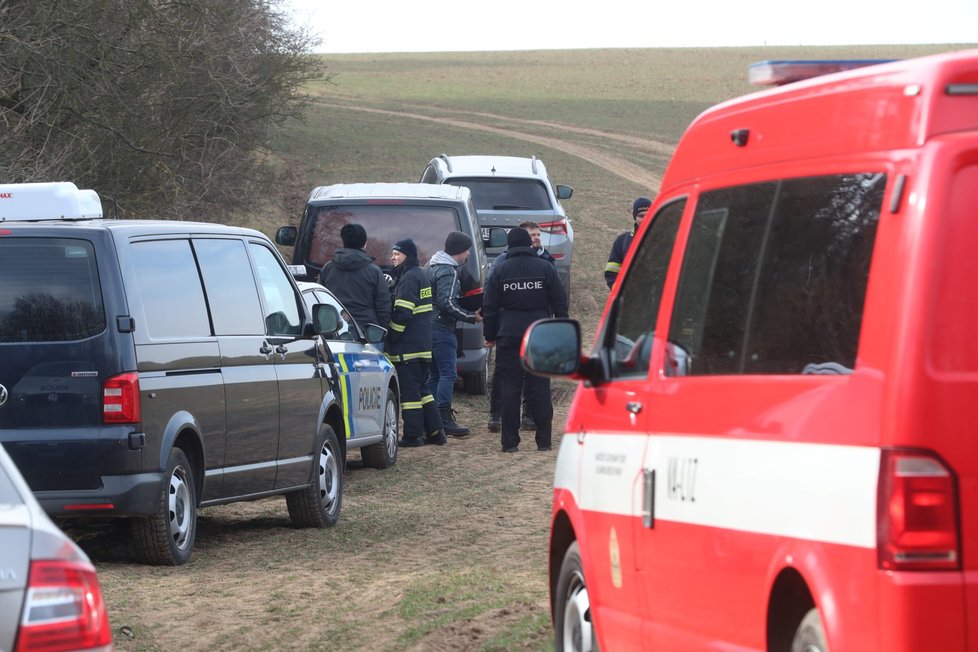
(519,238)
(354,236)
(407,247)
(639,204)
(457,242)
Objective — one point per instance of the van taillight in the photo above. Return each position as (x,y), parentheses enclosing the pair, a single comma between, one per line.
(917,513)
(554,228)
(120,399)
(64,609)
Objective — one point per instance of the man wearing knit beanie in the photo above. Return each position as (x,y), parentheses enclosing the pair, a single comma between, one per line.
(523,289)
(624,240)
(353,277)
(443,273)
(409,347)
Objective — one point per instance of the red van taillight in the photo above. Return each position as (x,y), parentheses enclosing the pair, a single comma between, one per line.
(554,228)
(120,399)
(64,609)
(917,513)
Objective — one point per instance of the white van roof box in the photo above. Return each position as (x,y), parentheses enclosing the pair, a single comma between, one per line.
(60,200)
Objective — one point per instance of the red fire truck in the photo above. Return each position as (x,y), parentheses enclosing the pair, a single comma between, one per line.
(774,443)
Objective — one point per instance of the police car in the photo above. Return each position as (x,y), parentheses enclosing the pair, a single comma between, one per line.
(366,382)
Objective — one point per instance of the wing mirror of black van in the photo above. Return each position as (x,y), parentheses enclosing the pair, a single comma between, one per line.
(497,237)
(552,347)
(375,334)
(286,235)
(326,319)
(564,192)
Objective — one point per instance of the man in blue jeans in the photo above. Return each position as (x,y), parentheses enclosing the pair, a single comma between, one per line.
(443,271)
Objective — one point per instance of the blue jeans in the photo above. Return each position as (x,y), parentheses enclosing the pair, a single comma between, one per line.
(444,365)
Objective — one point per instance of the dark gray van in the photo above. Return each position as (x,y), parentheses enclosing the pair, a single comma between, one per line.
(390,212)
(151,367)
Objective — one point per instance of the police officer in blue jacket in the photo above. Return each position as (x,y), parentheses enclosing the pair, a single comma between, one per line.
(523,289)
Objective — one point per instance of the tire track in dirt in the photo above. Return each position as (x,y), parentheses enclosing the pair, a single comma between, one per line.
(608,162)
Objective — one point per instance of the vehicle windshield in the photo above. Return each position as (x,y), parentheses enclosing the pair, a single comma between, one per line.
(496,194)
(385,224)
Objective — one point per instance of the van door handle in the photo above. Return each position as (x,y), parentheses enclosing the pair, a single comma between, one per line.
(634,407)
(648,498)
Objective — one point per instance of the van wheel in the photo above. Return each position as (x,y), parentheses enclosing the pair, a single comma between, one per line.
(383,454)
(810,635)
(573,631)
(167,537)
(318,505)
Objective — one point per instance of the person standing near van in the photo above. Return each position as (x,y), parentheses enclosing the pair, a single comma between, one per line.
(409,346)
(526,421)
(356,280)
(523,289)
(620,247)
(443,273)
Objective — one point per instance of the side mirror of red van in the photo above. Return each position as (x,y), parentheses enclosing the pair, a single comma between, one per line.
(552,347)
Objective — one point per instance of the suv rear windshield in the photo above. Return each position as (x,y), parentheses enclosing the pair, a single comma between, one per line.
(385,224)
(50,290)
(490,194)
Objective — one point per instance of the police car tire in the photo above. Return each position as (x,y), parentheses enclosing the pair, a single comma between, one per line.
(573,625)
(810,635)
(383,454)
(318,505)
(477,383)
(167,537)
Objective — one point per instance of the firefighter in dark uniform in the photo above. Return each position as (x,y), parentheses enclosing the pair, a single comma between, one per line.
(409,347)
(624,240)
(523,289)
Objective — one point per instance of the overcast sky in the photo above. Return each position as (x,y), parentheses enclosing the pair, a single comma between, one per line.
(350,26)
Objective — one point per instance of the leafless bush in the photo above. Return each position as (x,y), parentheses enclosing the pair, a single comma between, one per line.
(165,105)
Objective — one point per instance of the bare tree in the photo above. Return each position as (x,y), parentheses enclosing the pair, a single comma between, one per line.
(165,105)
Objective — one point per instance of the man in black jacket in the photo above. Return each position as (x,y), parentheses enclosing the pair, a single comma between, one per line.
(443,272)
(409,346)
(523,289)
(495,392)
(357,281)
(624,240)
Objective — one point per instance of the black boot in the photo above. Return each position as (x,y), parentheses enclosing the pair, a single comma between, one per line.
(452,429)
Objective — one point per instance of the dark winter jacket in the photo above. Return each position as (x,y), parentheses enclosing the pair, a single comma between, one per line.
(360,286)
(542,253)
(523,289)
(443,273)
(409,337)
(618,250)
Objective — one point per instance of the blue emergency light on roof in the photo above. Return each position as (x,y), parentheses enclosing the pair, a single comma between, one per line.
(777,73)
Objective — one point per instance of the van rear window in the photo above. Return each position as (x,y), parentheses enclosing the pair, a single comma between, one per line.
(50,290)
(385,224)
(774,276)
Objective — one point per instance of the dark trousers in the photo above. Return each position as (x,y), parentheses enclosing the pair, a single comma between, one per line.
(513,383)
(417,404)
(496,393)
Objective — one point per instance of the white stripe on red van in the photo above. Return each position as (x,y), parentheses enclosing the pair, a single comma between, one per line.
(816,492)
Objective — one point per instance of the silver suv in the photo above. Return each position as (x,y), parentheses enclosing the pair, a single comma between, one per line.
(508,190)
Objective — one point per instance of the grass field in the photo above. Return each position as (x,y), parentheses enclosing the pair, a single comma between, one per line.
(447,550)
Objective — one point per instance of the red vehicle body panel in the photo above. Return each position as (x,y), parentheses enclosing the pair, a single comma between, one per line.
(765,486)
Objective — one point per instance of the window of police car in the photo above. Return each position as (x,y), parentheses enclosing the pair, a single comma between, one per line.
(774,276)
(640,295)
(348,329)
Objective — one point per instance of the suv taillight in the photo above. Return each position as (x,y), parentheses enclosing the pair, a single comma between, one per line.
(917,513)
(64,609)
(558,227)
(120,399)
